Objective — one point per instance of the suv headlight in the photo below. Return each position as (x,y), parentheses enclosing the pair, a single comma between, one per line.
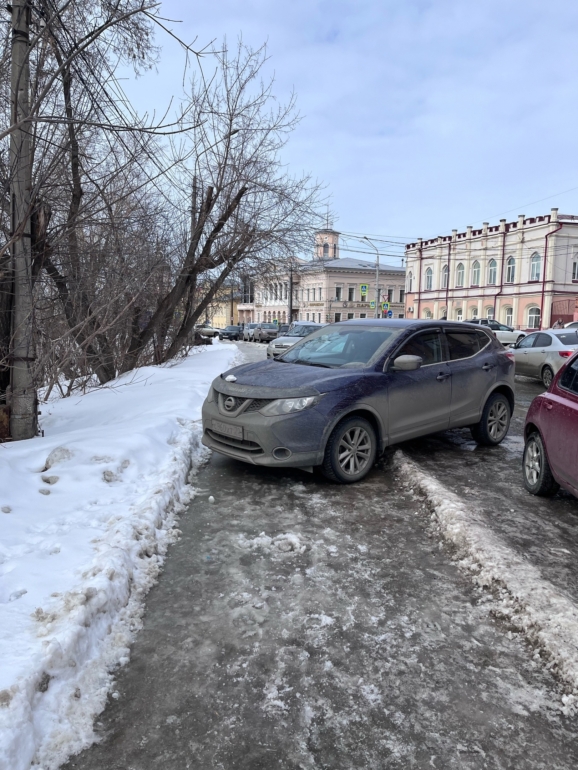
(289,405)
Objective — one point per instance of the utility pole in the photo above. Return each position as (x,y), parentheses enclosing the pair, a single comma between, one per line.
(365,238)
(23,403)
(290,297)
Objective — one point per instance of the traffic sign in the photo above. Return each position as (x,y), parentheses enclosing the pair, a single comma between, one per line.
(372,304)
(363,288)
(390,313)
(385,305)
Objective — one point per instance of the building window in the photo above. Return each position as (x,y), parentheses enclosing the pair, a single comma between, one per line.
(350,316)
(308,295)
(492,272)
(535,265)
(510,270)
(401,295)
(427,313)
(334,251)
(390,295)
(338,292)
(307,316)
(337,317)
(363,315)
(410,282)
(474,311)
(351,294)
(400,315)
(460,275)
(476,273)
(429,279)
(459,314)
(509,316)
(575,271)
(320,297)
(534,318)
(445,276)
(489,313)
(444,313)
(325,251)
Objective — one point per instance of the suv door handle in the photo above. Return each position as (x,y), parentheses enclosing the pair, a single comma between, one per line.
(442,376)
(487,367)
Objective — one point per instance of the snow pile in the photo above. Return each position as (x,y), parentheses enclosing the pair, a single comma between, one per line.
(86,515)
(532,604)
(289,542)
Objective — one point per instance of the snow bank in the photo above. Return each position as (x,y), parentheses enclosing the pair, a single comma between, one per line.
(86,515)
(548,618)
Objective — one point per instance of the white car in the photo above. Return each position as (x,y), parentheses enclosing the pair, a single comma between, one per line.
(543,354)
(248,330)
(505,334)
(297,331)
(571,325)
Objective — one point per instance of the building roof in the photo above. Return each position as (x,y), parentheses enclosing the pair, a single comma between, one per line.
(349,263)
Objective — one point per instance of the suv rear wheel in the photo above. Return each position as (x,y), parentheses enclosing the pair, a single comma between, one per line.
(538,478)
(350,452)
(495,423)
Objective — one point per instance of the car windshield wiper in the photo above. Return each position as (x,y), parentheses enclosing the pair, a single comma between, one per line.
(311,363)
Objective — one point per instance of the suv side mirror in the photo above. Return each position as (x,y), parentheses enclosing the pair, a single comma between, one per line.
(407,363)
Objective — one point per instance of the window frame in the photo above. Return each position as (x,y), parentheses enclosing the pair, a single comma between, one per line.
(445,276)
(510,268)
(428,279)
(492,268)
(460,281)
(538,316)
(535,260)
(476,268)
(396,351)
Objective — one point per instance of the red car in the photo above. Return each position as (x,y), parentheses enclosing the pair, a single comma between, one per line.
(551,435)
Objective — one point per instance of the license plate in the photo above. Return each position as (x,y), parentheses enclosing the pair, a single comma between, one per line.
(235,431)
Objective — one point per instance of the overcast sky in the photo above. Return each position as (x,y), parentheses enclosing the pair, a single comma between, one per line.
(419,115)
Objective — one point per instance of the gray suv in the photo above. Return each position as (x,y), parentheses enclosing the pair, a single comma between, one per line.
(343,394)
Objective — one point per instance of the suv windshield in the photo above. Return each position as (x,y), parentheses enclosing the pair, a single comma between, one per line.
(338,346)
(232,328)
(301,331)
(268,326)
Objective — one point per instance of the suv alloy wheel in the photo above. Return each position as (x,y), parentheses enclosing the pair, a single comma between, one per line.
(350,452)
(492,429)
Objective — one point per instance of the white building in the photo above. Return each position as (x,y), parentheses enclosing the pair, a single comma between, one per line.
(325,289)
(523,273)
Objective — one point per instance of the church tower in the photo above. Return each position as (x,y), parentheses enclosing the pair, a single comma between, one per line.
(326,244)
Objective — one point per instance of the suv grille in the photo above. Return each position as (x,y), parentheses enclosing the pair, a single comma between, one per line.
(248,446)
(258,403)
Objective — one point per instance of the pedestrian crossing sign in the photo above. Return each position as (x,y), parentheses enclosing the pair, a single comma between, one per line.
(363,288)
(385,305)
(372,304)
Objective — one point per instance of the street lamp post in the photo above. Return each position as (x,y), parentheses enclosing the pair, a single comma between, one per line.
(365,238)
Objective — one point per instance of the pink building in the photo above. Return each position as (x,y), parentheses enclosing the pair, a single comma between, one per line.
(523,273)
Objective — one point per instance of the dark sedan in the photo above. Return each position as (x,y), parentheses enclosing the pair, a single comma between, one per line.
(348,390)
(551,432)
(230,333)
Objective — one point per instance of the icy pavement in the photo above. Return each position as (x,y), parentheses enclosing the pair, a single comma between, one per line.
(544,531)
(303,625)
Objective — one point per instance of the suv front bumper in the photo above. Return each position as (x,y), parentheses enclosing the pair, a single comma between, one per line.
(300,434)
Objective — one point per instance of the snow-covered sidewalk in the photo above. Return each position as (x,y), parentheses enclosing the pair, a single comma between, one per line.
(86,515)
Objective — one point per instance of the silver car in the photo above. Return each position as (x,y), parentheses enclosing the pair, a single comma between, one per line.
(297,332)
(507,335)
(248,330)
(542,354)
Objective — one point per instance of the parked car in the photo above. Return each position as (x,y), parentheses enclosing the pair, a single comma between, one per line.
(207,330)
(551,436)
(265,332)
(296,332)
(248,330)
(342,394)
(506,334)
(543,354)
(230,333)
(283,329)
(571,325)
